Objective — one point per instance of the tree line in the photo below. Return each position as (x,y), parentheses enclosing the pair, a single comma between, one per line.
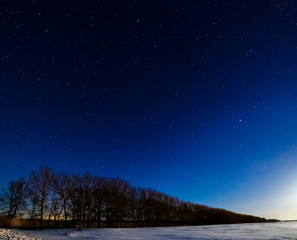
(49,199)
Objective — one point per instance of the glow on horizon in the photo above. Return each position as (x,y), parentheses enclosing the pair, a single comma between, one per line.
(272,197)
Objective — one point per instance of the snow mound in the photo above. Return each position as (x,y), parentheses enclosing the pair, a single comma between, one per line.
(7,234)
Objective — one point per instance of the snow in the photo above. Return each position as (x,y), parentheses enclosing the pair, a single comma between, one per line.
(263,231)
(17,235)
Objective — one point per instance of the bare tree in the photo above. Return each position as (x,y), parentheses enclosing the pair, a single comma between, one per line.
(77,199)
(63,188)
(98,195)
(92,200)
(87,184)
(55,210)
(13,199)
(40,185)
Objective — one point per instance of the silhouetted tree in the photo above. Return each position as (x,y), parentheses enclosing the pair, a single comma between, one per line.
(13,199)
(92,200)
(87,188)
(62,186)
(76,200)
(98,195)
(40,185)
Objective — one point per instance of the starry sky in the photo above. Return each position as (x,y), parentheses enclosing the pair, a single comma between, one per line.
(197,99)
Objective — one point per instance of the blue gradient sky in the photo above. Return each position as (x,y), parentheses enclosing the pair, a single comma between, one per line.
(193,98)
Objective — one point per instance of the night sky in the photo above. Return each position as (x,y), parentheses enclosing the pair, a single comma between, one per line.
(197,99)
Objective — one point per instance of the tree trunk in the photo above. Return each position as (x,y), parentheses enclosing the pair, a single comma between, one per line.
(41,214)
(98,219)
(81,210)
(65,213)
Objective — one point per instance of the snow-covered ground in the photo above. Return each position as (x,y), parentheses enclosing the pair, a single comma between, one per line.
(17,235)
(264,231)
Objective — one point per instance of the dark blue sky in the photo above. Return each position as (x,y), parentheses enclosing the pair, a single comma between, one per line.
(194,98)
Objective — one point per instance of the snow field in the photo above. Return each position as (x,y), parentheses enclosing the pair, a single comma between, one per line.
(262,231)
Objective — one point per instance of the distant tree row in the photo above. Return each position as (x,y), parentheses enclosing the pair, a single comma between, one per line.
(48,199)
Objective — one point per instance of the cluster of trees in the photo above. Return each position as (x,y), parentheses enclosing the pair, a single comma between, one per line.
(48,199)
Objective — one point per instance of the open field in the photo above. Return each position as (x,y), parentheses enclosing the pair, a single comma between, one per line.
(263,231)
